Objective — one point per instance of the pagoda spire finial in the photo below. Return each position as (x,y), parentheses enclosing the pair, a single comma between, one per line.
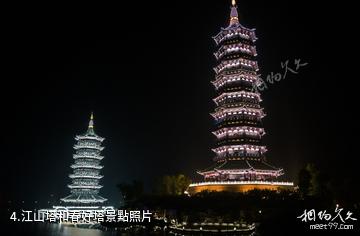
(91,125)
(91,122)
(234,16)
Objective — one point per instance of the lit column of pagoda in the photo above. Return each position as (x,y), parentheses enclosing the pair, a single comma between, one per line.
(85,178)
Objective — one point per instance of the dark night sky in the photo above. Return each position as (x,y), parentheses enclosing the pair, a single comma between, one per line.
(145,71)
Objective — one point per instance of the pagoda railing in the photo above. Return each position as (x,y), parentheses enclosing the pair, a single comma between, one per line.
(241,182)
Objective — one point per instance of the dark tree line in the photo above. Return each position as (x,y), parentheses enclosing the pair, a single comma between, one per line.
(314,183)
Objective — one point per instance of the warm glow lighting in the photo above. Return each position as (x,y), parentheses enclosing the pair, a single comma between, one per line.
(85,177)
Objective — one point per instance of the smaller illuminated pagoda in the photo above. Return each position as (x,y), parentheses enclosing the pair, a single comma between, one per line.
(85,178)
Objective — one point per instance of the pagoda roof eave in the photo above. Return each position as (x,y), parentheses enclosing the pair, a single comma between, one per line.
(238,25)
(246,167)
(72,186)
(87,136)
(77,166)
(74,176)
(241,182)
(98,157)
(239,146)
(78,199)
(224,94)
(222,29)
(210,168)
(235,27)
(77,146)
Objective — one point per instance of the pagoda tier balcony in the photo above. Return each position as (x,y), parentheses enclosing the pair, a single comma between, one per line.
(235,32)
(246,182)
(242,174)
(89,137)
(238,113)
(77,156)
(228,123)
(83,200)
(235,48)
(238,155)
(241,140)
(259,173)
(71,186)
(89,143)
(82,166)
(239,131)
(87,191)
(229,150)
(86,182)
(236,63)
(241,96)
(87,152)
(238,87)
(79,146)
(86,171)
(86,162)
(228,104)
(246,74)
(74,176)
(236,76)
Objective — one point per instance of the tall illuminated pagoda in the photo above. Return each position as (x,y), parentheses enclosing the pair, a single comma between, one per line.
(239,163)
(85,178)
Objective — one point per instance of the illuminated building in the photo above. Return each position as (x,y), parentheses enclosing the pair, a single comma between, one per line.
(85,177)
(239,163)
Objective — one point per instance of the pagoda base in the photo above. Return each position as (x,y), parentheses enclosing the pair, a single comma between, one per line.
(238,186)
